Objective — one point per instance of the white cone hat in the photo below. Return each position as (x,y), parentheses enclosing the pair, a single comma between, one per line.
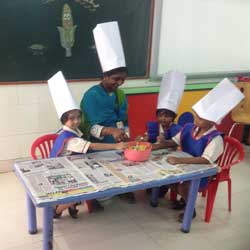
(61,94)
(109,46)
(171,90)
(218,102)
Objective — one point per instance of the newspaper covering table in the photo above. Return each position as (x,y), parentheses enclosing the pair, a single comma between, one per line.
(57,178)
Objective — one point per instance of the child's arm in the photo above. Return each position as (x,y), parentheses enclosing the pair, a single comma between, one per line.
(79,145)
(211,153)
(165,144)
(160,138)
(172,143)
(107,146)
(187,160)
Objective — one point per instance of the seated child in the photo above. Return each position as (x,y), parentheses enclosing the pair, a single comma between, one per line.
(170,94)
(70,142)
(201,139)
(166,128)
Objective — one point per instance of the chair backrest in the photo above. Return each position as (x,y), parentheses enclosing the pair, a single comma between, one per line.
(42,146)
(233,153)
(186,117)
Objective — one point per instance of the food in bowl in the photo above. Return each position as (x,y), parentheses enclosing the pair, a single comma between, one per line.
(138,151)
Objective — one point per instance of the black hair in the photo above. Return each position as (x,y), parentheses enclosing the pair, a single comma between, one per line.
(115,71)
(166,112)
(65,116)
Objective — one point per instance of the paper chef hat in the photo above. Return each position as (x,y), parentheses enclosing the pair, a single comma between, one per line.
(61,94)
(218,102)
(171,90)
(109,46)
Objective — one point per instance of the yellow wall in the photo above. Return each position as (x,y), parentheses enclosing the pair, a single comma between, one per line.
(189,99)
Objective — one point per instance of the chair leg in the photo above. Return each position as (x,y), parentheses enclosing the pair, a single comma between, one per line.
(173,195)
(89,206)
(211,194)
(154,197)
(204,193)
(248,138)
(229,194)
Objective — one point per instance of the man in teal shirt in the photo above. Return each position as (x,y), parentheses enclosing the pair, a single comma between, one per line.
(104,105)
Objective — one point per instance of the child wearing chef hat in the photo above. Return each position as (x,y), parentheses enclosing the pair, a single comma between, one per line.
(201,139)
(69,140)
(170,94)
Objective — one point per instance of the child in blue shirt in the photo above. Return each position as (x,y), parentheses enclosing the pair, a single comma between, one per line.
(201,139)
(170,94)
(70,142)
(203,142)
(163,129)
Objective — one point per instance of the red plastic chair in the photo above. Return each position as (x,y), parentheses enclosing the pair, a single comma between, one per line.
(43,145)
(233,154)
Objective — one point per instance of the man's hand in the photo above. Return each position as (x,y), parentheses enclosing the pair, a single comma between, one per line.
(119,134)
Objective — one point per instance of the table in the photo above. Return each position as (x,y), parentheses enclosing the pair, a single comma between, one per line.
(45,183)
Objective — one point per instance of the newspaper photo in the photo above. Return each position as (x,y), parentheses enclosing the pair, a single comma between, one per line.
(54,178)
(137,172)
(167,168)
(98,173)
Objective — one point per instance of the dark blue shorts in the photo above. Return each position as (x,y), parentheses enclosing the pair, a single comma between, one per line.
(203,183)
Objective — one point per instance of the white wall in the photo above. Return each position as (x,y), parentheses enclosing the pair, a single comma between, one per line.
(204,36)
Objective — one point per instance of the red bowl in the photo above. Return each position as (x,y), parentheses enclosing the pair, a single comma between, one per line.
(138,155)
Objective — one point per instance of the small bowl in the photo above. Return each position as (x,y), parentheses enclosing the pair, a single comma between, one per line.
(135,154)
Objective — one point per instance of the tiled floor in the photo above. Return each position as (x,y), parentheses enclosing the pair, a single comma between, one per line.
(123,226)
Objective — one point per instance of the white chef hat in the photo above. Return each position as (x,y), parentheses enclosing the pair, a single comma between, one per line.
(61,94)
(218,102)
(171,90)
(109,46)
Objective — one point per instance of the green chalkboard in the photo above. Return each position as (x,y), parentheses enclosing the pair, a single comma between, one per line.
(31,48)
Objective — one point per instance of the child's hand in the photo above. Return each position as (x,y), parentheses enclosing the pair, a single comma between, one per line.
(142,138)
(160,138)
(173,160)
(121,145)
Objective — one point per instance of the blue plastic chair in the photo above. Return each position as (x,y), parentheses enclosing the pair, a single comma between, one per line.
(186,117)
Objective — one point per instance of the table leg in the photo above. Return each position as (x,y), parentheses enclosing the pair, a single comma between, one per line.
(47,228)
(188,214)
(32,226)
(154,197)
